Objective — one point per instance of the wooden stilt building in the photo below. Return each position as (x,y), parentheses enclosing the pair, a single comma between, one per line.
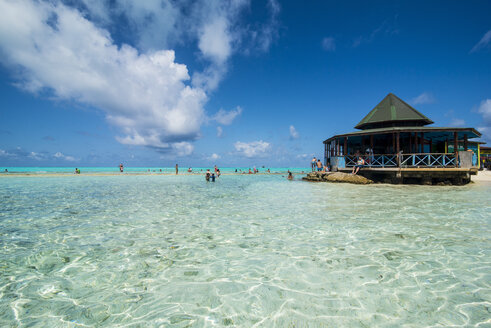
(398,146)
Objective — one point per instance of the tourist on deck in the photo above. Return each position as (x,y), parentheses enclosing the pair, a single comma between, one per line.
(319,165)
(313,163)
(358,165)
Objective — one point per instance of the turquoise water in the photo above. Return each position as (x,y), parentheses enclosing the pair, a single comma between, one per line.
(245,251)
(115,169)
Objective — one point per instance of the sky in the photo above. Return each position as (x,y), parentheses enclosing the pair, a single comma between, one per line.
(231,83)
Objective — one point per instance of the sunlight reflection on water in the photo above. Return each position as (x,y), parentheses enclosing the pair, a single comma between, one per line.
(177,251)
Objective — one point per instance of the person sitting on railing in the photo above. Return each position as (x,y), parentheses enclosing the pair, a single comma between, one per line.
(358,165)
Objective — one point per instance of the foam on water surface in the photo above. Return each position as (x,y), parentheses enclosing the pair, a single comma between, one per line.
(243,251)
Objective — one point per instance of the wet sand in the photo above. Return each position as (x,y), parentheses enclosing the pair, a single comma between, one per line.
(482,176)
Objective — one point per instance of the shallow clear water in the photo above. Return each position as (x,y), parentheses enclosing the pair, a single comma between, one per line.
(175,251)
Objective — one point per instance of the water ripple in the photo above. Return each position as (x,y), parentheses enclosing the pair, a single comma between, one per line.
(246,251)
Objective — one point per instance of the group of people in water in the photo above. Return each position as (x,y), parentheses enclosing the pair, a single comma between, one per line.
(211,176)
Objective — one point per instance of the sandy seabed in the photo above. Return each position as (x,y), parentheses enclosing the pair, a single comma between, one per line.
(481,176)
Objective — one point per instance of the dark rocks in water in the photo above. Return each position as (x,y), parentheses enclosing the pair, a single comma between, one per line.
(337,177)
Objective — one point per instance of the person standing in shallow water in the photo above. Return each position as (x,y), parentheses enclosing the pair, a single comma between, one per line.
(177,169)
(121,167)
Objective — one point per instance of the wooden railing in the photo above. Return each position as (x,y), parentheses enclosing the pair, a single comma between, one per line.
(405,160)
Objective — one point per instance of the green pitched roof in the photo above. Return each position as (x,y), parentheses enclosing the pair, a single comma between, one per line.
(392,111)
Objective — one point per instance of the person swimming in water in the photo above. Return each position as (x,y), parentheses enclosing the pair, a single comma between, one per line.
(290,176)
(208,175)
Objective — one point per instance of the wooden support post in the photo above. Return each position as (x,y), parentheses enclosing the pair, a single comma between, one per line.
(345,148)
(422,142)
(431,144)
(465,142)
(397,149)
(337,147)
(455,142)
(455,148)
(446,145)
(393,142)
(410,142)
(416,142)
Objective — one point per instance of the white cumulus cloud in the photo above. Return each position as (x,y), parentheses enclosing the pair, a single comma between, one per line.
(252,149)
(214,157)
(36,156)
(424,98)
(60,155)
(485,110)
(215,41)
(183,148)
(4,153)
(65,50)
(227,117)
(144,94)
(293,133)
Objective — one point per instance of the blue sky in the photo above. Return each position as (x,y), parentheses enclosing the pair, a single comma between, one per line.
(233,83)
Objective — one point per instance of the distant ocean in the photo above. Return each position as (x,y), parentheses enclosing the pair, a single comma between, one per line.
(245,251)
(71,169)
